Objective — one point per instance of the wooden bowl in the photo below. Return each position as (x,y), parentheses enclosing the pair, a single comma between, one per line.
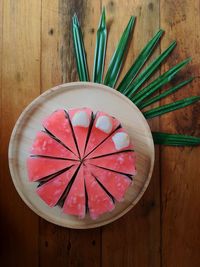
(73,95)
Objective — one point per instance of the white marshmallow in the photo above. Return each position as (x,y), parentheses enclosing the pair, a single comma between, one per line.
(104,124)
(81,119)
(121,140)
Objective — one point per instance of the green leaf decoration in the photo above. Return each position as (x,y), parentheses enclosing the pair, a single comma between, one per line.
(175,139)
(158,83)
(145,75)
(140,61)
(170,107)
(134,79)
(79,50)
(117,58)
(99,57)
(164,94)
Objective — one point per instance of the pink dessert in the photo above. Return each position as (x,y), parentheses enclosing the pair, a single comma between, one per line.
(115,183)
(123,162)
(75,202)
(51,191)
(109,146)
(98,135)
(58,125)
(99,201)
(80,120)
(45,145)
(39,167)
(83,162)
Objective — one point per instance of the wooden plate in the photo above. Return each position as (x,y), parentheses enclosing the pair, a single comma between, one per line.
(71,95)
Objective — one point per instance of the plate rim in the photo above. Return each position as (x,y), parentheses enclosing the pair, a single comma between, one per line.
(20,192)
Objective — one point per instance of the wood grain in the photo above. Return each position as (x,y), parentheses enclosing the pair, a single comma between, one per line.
(53,240)
(29,49)
(134,240)
(57,44)
(180,176)
(88,12)
(20,84)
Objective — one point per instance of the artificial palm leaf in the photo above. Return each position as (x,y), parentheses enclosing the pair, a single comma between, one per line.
(144,76)
(140,61)
(79,50)
(117,58)
(100,49)
(133,81)
(170,107)
(164,94)
(158,83)
(175,139)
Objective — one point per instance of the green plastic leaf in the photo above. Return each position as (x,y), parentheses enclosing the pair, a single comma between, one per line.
(99,57)
(170,107)
(175,139)
(145,75)
(158,83)
(117,58)
(79,50)
(140,61)
(164,94)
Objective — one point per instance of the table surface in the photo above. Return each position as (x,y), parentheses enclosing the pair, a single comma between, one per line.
(36,52)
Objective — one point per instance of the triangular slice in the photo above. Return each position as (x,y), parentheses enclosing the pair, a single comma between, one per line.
(58,124)
(99,201)
(118,141)
(51,191)
(116,184)
(102,127)
(123,162)
(75,203)
(81,121)
(39,167)
(45,145)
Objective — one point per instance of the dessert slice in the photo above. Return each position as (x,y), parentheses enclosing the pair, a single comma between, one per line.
(45,145)
(40,167)
(115,183)
(123,162)
(51,191)
(81,120)
(58,125)
(102,127)
(99,202)
(117,142)
(75,203)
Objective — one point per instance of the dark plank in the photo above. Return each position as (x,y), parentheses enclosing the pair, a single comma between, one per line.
(86,244)
(180,174)
(20,82)
(134,240)
(60,246)
(53,240)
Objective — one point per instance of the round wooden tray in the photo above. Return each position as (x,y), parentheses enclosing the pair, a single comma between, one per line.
(72,95)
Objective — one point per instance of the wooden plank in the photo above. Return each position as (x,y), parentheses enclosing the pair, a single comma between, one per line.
(86,242)
(51,73)
(20,84)
(134,240)
(53,240)
(89,25)
(117,19)
(85,248)
(60,246)
(180,174)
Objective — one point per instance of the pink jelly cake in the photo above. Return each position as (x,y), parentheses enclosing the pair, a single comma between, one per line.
(82,161)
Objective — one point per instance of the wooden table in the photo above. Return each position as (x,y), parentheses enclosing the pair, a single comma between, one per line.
(36,53)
